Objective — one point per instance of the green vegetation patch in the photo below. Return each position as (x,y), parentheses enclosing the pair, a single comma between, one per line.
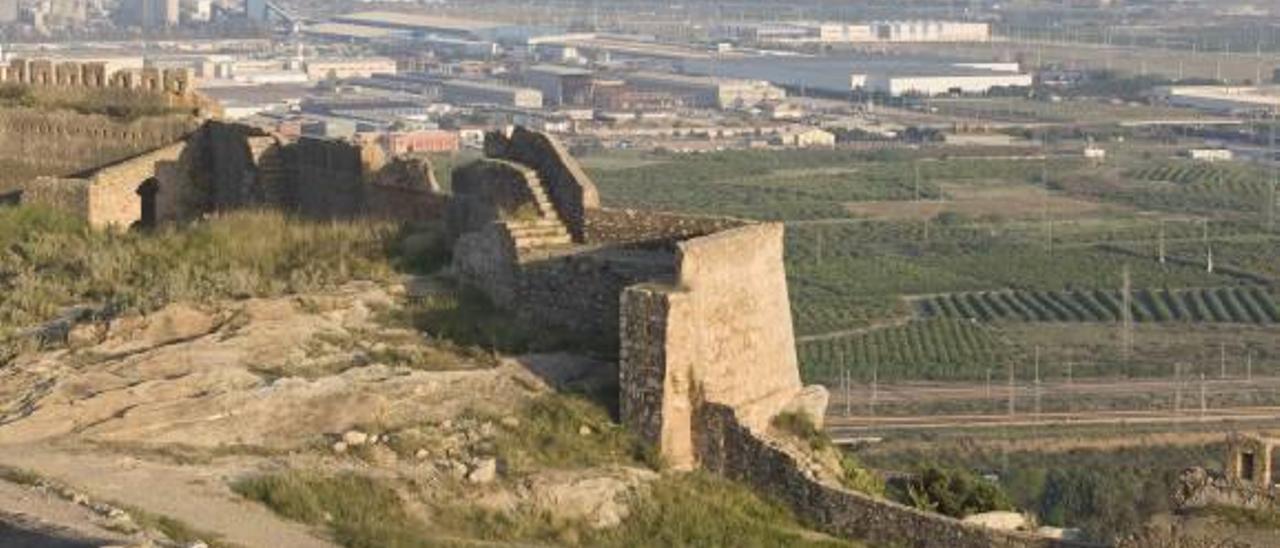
(361,512)
(49,261)
(120,104)
(567,431)
(698,509)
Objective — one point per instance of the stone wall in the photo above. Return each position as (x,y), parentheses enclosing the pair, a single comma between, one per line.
(727,447)
(114,198)
(1200,488)
(569,187)
(70,74)
(329,177)
(224,166)
(486,191)
(36,142)
(581,291)
(631,226)
(67,195)
(726,318)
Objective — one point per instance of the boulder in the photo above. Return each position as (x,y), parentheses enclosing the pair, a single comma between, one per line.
(598,496)
(1001,521)
(812,401)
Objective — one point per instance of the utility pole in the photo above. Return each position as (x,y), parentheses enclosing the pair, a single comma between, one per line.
(916,167)
(1162,248)
(1177,383)
(1126,316)
(1203,405)
(875,387)
(1222,360)
(819,256)
(848,400)
(1271,203)
(1012,405)
(1037,384)
(1208,249)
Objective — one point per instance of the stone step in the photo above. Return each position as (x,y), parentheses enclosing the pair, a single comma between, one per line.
(539,233)
(541,222)
(542,241)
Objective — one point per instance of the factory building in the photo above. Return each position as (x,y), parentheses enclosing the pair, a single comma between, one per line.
(707,91)
(471,92)
(561,85)
(1223,99)
(861,33)
(842,75)
(931,31)
(931,85)
(362,67)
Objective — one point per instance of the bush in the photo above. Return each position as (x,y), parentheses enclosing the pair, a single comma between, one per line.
(955,492)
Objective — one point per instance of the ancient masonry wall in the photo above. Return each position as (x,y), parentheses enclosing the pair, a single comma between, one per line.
(725,319)
(67,195)
(114,191)
(726,446)
(567,184)
(223,167)
(35,142)
(486,191)
(638,227)
(71,74)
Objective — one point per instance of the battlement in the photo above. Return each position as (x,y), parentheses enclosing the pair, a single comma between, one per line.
(93,75)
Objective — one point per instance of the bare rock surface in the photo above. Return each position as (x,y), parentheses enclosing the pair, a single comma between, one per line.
(600,497)
(164,412)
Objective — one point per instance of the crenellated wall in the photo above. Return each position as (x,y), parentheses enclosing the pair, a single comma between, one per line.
(71,74)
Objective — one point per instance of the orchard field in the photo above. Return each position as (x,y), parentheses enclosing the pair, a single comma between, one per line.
(882,289)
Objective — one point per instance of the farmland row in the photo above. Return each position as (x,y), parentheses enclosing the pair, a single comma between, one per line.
(1239,304)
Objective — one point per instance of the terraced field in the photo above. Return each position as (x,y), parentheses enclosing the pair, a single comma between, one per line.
(936,348)
(1246,304)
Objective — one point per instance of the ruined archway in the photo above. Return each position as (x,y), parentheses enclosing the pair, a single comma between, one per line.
(147,194)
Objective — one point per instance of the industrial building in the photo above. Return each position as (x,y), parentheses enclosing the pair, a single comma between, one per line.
(561,85)
(472,92)
(353,67)
(1222,99)
(707,91)
(821,32)
(843,75)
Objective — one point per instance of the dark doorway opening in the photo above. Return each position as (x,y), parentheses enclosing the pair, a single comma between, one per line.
(1246,466)
(147,192)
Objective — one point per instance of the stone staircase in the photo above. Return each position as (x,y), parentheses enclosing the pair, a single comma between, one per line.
(545,229)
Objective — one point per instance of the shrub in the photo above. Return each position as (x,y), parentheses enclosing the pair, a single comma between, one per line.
(955,492)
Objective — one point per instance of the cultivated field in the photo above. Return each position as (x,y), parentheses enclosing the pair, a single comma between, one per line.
(914,265)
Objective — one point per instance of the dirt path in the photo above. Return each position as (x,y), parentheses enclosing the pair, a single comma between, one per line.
(198,496)
(875,326)
(29,518)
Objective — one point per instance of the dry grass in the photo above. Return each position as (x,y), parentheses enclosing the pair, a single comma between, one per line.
(50,261)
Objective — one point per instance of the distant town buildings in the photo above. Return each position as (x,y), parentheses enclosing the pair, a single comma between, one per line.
(151,14)
(706,91)
(861,33)
(472,92)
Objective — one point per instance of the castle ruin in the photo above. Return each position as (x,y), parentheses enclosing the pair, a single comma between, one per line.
(697,307)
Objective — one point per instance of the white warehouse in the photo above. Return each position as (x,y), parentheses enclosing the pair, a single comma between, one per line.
(968,84)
